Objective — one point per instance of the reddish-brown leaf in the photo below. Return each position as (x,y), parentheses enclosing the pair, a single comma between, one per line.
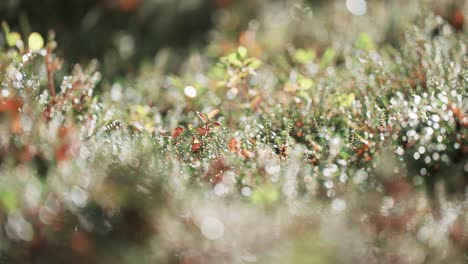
(283,149)
(232,145)
(215,172)
(62,152)
(79,243)
(457,231)
(10,106)
(255,102)
(247,154)
(223,3)
(26,154)
(15,124)
(176,132)
(128,5)
(201,131)
(196,144)
(64,131)
(202,117)
(216,123)
(461,119)
(398,189)
(458,20)
(213,113)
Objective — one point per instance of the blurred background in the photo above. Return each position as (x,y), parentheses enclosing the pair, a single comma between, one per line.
(124,33)
(123,29)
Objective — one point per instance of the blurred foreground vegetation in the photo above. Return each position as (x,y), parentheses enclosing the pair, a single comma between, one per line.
(250,132)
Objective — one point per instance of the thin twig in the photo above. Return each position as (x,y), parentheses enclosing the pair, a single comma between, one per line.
(50,73)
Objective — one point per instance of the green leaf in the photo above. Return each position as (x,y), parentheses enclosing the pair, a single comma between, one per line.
(233,59)
(304,56)
(242,51)
(9,200)
(254,63)
(327,57)
(142,110)
(305,83)
(176,81)
(11,37)
(345,100)
(6,28)
(265,195)
(365,42)
(35,41)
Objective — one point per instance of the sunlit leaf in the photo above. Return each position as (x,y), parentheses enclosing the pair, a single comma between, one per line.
(242,51)
(306,83)
(10,106)
(196,144)
(202,117)
(327,57)
(232,145)
(213,113)
(9,200)
(345,100)
(254,63)
(233,59)
(247,154)
(35,41)
(13,38)
(365,42)
(304,56)
(142,110)
(265,195)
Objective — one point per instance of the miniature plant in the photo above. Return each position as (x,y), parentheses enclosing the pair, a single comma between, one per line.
(311,142)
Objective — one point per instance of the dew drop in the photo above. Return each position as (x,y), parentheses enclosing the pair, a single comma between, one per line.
(338,204)
(212,228)
(190,91)
(356,7)
(246,191)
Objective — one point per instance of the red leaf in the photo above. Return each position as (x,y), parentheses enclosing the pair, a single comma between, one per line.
(196,145)
(232,145)
(202,117)
(202,131)
(216,123)
(459,116)
(64,131)
(15,124)
(176,132)
(62,152)
(10,106)
(458,20)
(247,154)
(283,149)
(128,5)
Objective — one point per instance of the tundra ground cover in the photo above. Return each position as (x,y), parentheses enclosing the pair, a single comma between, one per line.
(284,144)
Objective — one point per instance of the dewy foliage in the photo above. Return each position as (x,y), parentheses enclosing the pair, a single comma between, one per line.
(338,154)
